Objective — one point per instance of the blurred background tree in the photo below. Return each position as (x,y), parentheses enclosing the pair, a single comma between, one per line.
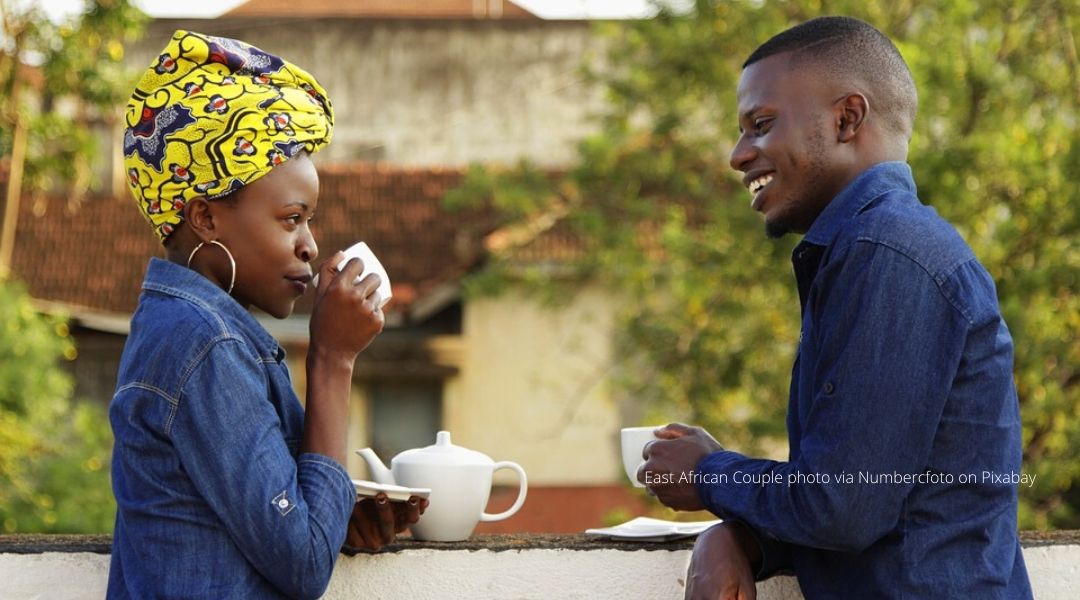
(61,84)
(709,321)
(54,452)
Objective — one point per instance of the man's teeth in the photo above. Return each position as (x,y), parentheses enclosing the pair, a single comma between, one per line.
(756,185)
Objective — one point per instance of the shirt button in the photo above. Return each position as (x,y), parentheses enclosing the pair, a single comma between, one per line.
(829,388)
(283,503)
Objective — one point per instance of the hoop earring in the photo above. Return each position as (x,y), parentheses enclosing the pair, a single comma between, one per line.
(232,262)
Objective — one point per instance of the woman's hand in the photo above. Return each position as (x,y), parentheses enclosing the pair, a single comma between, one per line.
(720,568)
(376,521)
(346,316)
(345,319)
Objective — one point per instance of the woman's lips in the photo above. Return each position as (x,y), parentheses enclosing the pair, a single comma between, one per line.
(299,284)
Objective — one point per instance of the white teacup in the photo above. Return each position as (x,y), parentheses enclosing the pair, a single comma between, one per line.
(633,443)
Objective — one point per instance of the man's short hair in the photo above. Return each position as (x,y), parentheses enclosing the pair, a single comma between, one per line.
(851,49)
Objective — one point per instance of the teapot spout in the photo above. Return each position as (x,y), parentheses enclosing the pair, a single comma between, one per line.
(378,470)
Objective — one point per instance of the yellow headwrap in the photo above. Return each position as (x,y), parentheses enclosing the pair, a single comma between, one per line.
(212,115)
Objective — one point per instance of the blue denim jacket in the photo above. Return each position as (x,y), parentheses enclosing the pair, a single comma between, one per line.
(213,498)
(902,396)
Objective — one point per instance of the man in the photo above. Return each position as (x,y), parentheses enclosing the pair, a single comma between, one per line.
(902,411)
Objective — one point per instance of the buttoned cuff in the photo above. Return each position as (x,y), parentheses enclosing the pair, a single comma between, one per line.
(775,556)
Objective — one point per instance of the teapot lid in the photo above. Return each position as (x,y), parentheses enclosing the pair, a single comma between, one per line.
(442,452)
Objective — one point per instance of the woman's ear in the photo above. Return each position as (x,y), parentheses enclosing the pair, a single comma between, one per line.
(199,216)
(852,111)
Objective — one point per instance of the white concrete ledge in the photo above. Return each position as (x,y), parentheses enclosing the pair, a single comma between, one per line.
(496,567)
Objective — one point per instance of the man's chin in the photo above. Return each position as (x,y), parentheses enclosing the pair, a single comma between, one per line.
(775,230)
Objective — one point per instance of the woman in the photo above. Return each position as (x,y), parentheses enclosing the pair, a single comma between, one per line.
(224,487)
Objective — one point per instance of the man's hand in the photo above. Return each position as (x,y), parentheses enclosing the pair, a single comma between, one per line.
(671,459)
(720,568)
(376,521)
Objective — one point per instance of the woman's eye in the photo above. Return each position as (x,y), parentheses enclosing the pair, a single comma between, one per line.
(293,219)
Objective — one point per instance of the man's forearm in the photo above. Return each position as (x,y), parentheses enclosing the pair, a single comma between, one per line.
(748,542)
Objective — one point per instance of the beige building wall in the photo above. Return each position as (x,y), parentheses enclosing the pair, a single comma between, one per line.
(534,388)
(431,92)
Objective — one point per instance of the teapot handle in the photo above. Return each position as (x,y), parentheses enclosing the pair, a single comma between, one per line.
(522,489)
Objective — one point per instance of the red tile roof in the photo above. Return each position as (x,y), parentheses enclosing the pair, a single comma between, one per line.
(383,9)
(94,258)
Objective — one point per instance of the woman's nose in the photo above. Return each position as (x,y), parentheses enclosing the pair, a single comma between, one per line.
(307,250)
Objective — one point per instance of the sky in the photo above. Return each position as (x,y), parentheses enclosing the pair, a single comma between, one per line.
(549,9)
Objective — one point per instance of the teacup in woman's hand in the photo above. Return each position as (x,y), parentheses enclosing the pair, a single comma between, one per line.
(371,265)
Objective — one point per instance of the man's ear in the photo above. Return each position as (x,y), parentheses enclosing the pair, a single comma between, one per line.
(852,111)
(199,216)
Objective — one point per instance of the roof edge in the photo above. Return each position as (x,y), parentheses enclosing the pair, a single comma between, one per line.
(98,320)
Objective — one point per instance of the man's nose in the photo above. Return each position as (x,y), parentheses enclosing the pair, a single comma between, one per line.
(742,154)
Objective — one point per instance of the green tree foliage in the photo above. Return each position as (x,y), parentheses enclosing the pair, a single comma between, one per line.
(54,451)
(59,83)
(708,327)
(68,89)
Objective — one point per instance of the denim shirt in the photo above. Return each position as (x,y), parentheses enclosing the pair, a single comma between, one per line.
(213,498)
(902,396)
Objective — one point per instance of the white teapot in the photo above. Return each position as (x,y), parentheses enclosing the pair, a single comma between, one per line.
(460,483)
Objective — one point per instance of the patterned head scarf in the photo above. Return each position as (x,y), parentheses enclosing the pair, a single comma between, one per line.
(212,115)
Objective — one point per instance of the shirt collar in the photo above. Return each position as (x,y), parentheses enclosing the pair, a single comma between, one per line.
(167,277)
(869,184)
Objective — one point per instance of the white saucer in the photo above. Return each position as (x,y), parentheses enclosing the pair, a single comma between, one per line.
(645,529)
(368,489)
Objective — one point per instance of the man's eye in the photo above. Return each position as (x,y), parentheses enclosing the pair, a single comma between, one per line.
(293,219)
(762,124)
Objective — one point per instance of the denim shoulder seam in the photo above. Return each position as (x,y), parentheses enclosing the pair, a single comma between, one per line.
(937,283)
(194,364)
(149,388)
(197,360)
(174,402)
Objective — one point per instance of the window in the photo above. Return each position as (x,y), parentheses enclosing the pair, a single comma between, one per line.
(404,414)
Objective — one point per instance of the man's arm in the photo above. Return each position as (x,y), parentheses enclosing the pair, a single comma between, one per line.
(723,563)
(885,364)
(765,554)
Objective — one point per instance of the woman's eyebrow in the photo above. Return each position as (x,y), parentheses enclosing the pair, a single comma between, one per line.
(303,205)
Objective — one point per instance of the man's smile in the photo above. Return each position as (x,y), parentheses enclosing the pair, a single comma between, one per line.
(756,185)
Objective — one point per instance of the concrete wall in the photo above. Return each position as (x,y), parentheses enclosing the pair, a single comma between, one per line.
(438,92)
(526,567)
